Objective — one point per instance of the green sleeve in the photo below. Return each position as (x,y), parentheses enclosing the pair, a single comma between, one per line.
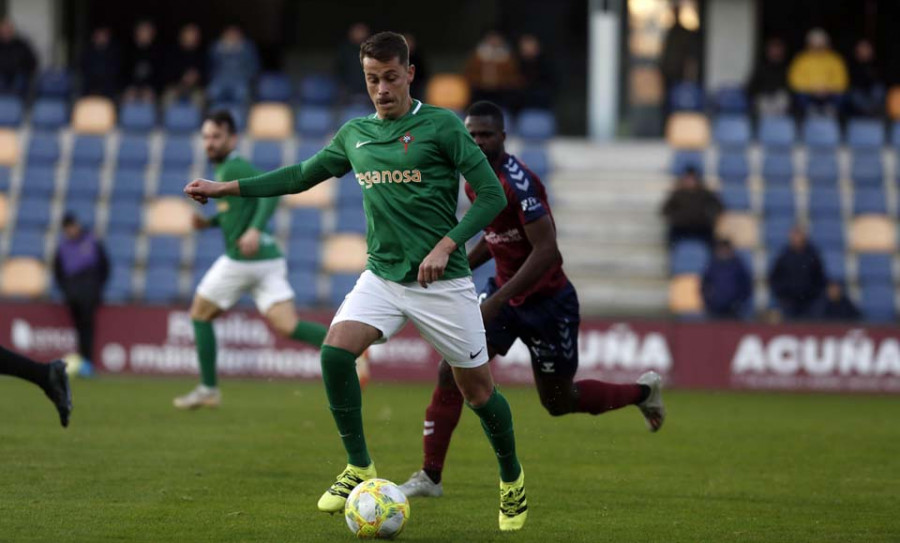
(330,162)
(490,200)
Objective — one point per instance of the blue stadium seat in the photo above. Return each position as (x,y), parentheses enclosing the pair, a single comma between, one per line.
(39,182)
(84,183)
(536,124)
(866,169)
(732,131)
(314,121)
(865,134)
(733,168)
(120,246)
(49,114)
(83,208)
(825,203)
(779,202)
(318,89)
(306,223)
(178,152)
(536,159)
(732,100)
(778,169)
(305,285)
(688,257)
(5,176)
(777,132)
(164,251)
(835,263)
(26,242)
(88,151)
(43,149)
(128,186)
(210,245)
(125,216)
(238,113)
(172,182)
(895,134)
(875,268)
(735,198)
(304,254)
(776,231)
(162,284)
(682,160)
(828,234)
(181,118)
(821,133)
(349,192)
(137,117)
(686,96)
(354,111)
(118,288)
(351,219)
(877,302)
(54,83)
(341,285)
(33,213)
(306,149)
(822,169)
(869,200)
(274,87)
(267,155)
(11,111)
(133,153)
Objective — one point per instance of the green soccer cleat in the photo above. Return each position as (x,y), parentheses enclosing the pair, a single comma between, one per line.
(513,505)
(333,500)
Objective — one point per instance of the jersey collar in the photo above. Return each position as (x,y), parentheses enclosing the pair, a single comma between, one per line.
(414,108)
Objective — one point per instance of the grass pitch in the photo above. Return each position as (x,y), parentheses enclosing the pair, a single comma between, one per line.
(726,467)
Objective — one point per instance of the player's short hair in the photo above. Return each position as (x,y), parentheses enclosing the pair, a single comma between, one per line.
(222,117)
(485,108)
(385,47)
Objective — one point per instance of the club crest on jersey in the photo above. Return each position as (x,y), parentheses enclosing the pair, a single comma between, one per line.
(406,139)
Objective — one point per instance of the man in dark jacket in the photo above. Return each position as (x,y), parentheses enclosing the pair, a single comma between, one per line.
(101,64)
(17,60)
(81,269)
(768,86)
(797,279)
(691,210)
(837,306)
(727,284)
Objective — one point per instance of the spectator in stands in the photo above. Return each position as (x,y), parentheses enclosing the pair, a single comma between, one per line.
(727,283)
(493,71)
(350,77)
(17,60)
(691,210)
(186,67)
(867,90)
(768,86)
(797,279)
(836,305)
(81,269)
(818,76)
(538,77)
(101,64)
(680,60)
(144,64)
(417,87)
(234,63)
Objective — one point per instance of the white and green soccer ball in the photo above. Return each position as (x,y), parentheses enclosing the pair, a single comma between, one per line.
(376,509)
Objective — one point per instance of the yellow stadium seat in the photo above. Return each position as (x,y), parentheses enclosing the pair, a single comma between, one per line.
(688,131)
(448,90)
(345,253)
(94,115)
(4,212)
(741,228)
(893,103)
(646,86)
(320,196)
(23,277)
(172,216)
(9,147)
(873,234)
(684,294)
(270,121)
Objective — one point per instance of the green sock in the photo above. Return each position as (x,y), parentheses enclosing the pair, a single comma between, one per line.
(496,420)
(345,400)
(205,338)
(312,333)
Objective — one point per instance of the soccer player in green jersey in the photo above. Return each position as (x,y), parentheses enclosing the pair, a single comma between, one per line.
(252,262)
(407,157)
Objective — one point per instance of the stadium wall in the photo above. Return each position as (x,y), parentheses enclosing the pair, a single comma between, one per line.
(700,355)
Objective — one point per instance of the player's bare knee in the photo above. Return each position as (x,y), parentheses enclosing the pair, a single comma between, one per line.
(203,310)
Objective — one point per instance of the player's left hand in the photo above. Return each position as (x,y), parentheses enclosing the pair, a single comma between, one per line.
(248,243)
(432,267)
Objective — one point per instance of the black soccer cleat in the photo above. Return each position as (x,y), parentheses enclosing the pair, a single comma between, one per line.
(59,391)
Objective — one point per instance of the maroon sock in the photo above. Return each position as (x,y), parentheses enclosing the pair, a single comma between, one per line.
(441,418)
(597,397)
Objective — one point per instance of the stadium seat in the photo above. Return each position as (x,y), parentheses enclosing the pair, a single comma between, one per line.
(304,253)
(306,149)
(875,268)
(354,111)
(867,170)
(682,160)
(133,153)
(161,285)
(828,233)
(878,303)
(164,251)
(779,202)
(128,186)
(83,183)
(83,208)
(341,285)
(893,103)
(120,246)
(777,132)
(733,168)
(54,83)
(137,117)
(125,216)
(822,169)
(822,133)
(735,198)
(320,196)
(349,192)
(778,169)
(536,124)
(731,100)
(865,134)
(305,223)
(11,111)
(687,131)
(267,155)
(9,147)
(825,203)
(94,115)
(536,159)
(684,294)
(895,134)
(178,152)
(686,96)
(5,178)
(647,87)
(274,87)
(172,182)
(209,246)
(270,121)
(4,211)
(314,121)
(33,213)
(350,218)
(28,243)
(835,263)
(119,287)
(49,114)
(318,89)
(181,118)
(344,253)
(39,182)
(43,149)
(23,278)
(776,231)
(688,256)
(732,131)
(305,285)
(741,228)
(169,216)
(88,151)
(869,201)
(873,234)
(447,90)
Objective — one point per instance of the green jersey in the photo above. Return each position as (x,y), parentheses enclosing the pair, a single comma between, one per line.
(235,215)
(408,170)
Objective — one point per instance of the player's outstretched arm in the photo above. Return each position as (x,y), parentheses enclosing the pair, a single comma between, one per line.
(201,190)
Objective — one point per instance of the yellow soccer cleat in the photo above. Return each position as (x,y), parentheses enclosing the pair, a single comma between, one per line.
(513,505)
(333,500)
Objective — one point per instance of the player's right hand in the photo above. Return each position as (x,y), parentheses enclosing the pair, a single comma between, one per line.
(201,190)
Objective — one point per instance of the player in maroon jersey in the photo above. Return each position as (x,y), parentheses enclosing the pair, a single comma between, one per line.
(530,298)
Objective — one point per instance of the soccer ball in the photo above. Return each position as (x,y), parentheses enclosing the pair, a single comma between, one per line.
(376,509)
(73,364)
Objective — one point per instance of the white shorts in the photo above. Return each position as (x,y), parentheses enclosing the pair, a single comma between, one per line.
(227,279)
(446,314)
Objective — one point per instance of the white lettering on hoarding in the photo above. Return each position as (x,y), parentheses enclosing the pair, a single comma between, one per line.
(26,337)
